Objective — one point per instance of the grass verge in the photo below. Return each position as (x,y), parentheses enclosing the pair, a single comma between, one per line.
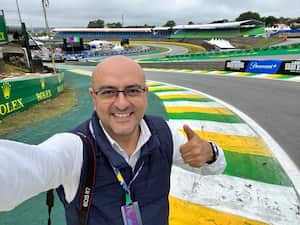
(45,110)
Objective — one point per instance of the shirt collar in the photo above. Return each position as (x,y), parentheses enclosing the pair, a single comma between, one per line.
(144,137)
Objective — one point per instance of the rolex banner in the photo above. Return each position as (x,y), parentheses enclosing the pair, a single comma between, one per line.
(3,30)
(19,94)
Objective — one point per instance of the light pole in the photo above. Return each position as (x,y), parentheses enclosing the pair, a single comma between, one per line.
(19,11)
(45,4)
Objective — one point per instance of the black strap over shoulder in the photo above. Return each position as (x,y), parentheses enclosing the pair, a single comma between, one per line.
(50,203)
(87,189)
(89,182)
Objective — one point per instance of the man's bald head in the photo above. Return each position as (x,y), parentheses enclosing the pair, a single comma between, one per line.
(120,114)
(116,65)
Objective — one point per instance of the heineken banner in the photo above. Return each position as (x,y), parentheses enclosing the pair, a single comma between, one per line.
(19,94)
(3,30)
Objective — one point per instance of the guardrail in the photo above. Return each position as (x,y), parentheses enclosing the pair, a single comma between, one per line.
(291,67)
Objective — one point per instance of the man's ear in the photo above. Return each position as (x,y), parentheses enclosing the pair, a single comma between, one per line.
(91,91)
(92,94)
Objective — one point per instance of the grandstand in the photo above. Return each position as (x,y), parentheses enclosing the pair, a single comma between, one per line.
(219,30)
(203,31)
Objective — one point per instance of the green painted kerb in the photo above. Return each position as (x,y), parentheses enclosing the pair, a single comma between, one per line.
(20,94)
(156,106)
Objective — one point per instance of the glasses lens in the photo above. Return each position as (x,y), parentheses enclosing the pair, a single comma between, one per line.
(134,91)
(107,93)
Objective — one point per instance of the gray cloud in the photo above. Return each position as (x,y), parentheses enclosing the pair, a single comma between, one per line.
(77,13)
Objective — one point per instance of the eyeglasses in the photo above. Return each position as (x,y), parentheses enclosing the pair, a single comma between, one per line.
(111,93)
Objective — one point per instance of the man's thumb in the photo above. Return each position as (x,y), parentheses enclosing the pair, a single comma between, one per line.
(188,131)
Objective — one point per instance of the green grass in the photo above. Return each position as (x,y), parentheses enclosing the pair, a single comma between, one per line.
(45,110)
(9,69)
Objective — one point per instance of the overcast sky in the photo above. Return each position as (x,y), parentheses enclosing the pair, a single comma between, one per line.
(77,13)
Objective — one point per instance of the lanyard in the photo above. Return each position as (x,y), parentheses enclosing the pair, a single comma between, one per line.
(123,183)
(119,175)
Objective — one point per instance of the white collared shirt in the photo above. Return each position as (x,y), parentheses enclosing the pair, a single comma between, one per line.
(27,170)
(144,137)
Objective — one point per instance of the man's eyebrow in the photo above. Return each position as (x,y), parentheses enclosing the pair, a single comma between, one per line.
(113,87)
(107,87)
(134,85)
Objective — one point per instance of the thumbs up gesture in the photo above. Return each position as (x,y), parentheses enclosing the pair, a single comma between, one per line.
(196,151)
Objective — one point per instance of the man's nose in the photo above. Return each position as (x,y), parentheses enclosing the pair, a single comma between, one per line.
(121,100)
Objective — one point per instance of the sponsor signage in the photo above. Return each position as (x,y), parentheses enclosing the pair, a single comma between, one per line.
(263,66)
(3,30)
(290,67)
(236,65)
(17,95)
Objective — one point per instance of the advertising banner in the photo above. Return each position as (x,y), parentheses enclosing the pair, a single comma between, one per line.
(263,66)
(236,65)
(3,30)
(290,67)
(19,94)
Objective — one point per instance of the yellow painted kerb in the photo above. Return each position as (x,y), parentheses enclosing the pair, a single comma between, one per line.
(185,213)
(235,143)
(82,72)
(170,96)
(210,110)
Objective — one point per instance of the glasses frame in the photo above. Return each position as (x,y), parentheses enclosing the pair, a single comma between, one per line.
(116,92)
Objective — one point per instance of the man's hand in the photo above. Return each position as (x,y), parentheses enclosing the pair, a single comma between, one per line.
(196,151)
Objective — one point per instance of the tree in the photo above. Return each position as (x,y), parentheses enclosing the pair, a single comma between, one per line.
(96,23)
(148,26)
(270,20)
(170,23)
(248,16)
(114,25)
(190,23)
(140,26)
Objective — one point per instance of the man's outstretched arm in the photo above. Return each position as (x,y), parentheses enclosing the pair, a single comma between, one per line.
(27,170)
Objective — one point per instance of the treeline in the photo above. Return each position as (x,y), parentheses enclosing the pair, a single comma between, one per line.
(268,20)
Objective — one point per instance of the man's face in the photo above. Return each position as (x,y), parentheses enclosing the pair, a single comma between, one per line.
(120,115)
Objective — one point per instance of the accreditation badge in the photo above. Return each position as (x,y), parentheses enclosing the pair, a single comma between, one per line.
(131,214)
